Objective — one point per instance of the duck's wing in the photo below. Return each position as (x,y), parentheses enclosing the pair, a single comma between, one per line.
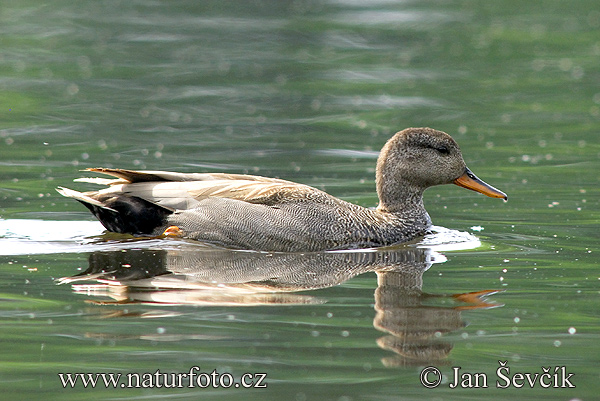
(180,191)
(132,176)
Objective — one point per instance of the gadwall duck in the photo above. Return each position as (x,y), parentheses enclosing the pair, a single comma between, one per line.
(269,214)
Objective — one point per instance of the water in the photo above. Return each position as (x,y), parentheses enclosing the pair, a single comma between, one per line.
(308,91)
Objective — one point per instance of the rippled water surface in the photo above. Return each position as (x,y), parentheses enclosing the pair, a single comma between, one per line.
(307,91)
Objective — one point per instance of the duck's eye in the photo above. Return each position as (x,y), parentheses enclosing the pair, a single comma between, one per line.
(443,150)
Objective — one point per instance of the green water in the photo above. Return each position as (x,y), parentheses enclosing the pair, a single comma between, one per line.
(308,91)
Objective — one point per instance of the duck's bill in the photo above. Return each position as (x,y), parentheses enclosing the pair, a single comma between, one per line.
(470,181)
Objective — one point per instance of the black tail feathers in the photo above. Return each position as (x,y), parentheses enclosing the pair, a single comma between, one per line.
(128,214)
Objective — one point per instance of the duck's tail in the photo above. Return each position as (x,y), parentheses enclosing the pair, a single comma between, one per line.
(121,213)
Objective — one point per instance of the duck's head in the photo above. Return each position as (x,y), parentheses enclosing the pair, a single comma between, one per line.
(417,158)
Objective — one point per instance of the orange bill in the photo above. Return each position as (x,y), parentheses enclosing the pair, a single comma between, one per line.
(470,181)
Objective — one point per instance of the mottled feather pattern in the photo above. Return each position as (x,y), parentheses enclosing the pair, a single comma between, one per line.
(270,214)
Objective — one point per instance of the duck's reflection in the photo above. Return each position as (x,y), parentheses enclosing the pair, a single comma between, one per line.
(413,320)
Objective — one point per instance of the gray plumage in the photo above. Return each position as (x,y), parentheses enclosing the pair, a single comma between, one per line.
(259,213)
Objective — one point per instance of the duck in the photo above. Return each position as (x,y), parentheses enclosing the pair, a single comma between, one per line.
(250,212)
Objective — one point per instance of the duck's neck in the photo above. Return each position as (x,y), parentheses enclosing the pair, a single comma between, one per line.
(401,197)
